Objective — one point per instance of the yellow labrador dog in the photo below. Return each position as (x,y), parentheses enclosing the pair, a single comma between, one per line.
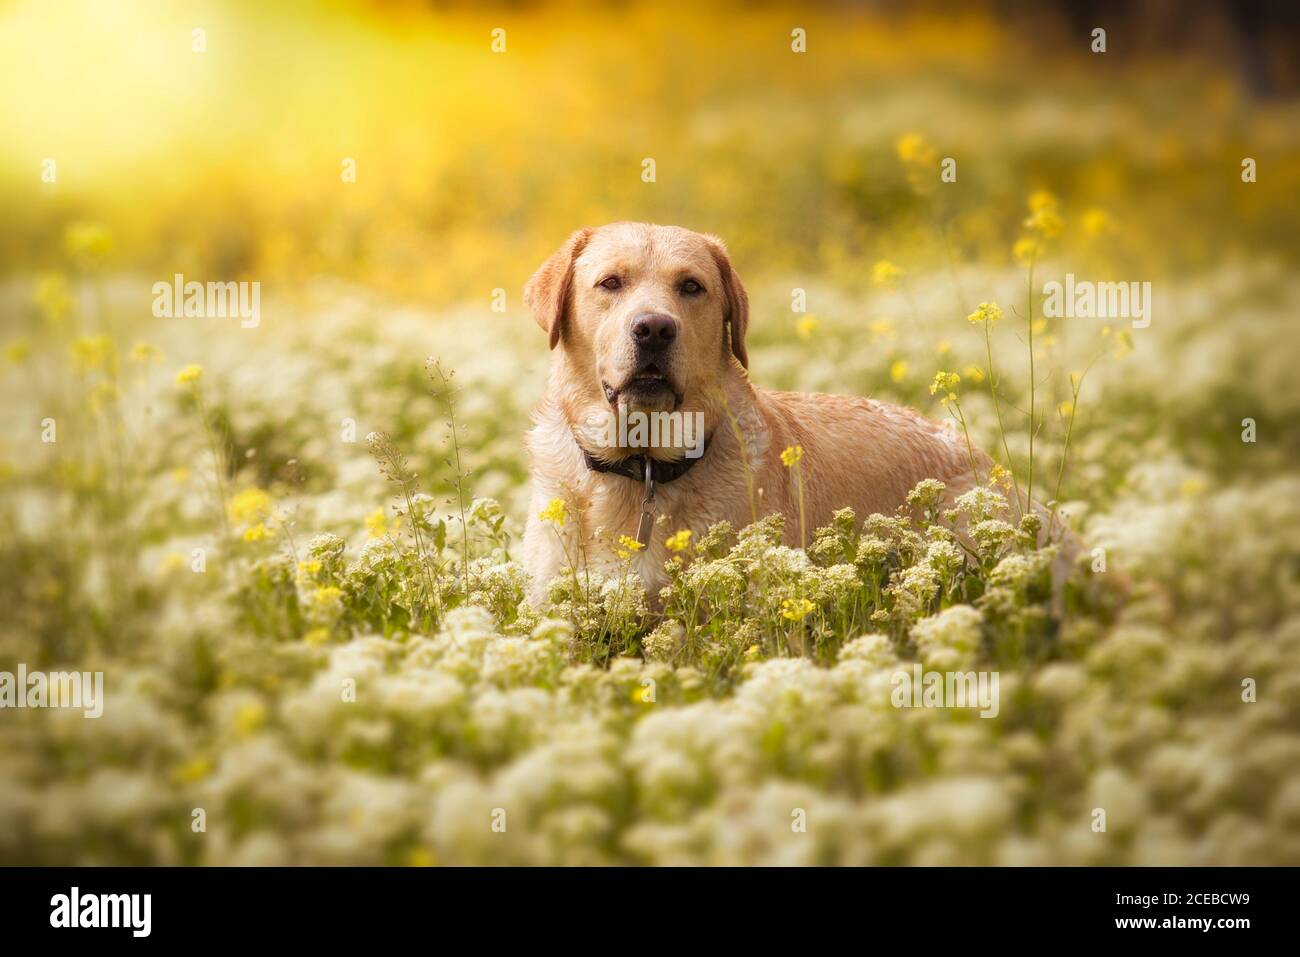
(649,373)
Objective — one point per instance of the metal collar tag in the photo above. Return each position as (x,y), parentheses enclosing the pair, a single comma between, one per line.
(646,525)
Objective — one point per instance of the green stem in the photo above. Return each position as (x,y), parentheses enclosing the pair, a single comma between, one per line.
(798,481)
(970,450)
(1075,389)
(997,407)
(218,464)
(1030,297)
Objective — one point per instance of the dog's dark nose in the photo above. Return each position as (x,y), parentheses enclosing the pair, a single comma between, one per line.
(652,331)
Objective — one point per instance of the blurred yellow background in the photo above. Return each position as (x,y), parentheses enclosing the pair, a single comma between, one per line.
(472,164)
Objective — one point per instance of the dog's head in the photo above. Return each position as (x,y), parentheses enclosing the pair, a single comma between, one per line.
(650,318)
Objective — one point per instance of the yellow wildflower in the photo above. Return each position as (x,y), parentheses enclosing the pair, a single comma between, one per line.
(250,718)
(1123,343)
(679,541)
(316,636)
(912,148)
(87,241)
(884,273)
(555,513)
(947,383)
(190,374)
(974,373)
(420,857)
(792,456)
(1041,200)
(1025,249)
(898,370)
(796,609)
(807,326)
(1046,222)
(249,505)
(193,770)
(256,533)
(376,524)
(628,546)
(53,298)
(1096,221)
(328,598)
(1043,216)
(92,352)
(985,312)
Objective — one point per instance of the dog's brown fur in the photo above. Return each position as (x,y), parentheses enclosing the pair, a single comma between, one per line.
(857,452)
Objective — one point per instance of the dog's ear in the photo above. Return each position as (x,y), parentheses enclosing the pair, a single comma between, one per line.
(547,293)
(737,316)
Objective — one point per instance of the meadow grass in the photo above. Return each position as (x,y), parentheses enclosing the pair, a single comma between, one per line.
(293,550)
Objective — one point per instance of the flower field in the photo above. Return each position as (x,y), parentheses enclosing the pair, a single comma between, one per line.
(292,549)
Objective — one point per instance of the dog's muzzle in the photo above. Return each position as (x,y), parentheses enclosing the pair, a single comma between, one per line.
(653,336)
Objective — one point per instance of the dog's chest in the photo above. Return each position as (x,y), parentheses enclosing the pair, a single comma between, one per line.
(616,513)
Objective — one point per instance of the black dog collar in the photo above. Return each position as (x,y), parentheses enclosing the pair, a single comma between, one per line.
(634,466)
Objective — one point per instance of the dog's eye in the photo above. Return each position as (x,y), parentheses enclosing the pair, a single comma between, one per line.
(611,283)
(691,288)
